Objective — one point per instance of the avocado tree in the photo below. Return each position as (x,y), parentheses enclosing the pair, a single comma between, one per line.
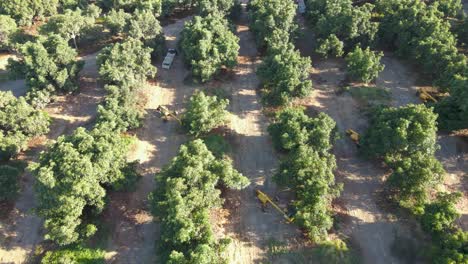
(208,44)
(270,15)
(331,46)
(285,75)
(144,25)
(206,7)
(439,220)
(125,63)
(406,130)
(364,65)
(350,24)
(70,25)
(413,177)
(19,122)
(116,21)
(49,65)
(310,174)
(9,182)
(7,28)
(71,177)
(204,113)
(185,195)
(292,128)
(120,109)
(24,11)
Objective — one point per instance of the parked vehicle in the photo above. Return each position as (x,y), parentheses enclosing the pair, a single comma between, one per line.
(171,53)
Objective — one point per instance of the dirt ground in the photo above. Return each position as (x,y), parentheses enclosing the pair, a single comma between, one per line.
(134,233)
(251,229)
(17,87)
(22,231)
(371,228)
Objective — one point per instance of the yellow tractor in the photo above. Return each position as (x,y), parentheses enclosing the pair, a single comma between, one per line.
(353,135)
(427,94)
(265,199)
(166,114)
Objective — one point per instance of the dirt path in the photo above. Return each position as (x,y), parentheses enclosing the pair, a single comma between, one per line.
(22,230)
(370,229)
(400,80)
(133,231)
(251,229)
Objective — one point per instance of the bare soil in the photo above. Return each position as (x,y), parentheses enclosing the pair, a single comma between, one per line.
(134,233)
(254,156)
(22,231)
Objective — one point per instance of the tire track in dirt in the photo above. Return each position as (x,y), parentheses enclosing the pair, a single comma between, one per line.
(254,156)
(134,233)
(370,229)
(22,231)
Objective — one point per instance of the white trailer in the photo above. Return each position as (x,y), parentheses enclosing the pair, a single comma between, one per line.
(171,53)
(301,7)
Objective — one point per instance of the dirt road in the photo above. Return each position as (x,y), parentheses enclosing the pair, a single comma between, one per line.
(134,233)
(22,230)
(370,229)
(251,229)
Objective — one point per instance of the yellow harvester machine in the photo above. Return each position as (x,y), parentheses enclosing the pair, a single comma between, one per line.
(430,94)
(353,135)
(166,114)
(265,199)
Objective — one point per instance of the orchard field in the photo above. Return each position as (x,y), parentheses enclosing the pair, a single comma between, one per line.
(352,116)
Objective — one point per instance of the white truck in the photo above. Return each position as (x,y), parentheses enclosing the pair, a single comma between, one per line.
(301,7)
(171,53)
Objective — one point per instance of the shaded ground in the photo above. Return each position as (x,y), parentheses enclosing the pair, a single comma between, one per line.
(133,231)
(251,229)
(17,87)
(22,231)
(371,229)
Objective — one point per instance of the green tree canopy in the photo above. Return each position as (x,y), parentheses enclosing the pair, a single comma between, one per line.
(23,11)
(285,75)
(9,182)
(19,122)
(310,174)
(125,63)
(7,29)
(49,65)
(116,20)
(266,16)
(70,25)
(208,44)
(120,109)
(292,128)
(186,192)
(71,176)
(331,46)
(130,6)
(350,24)
(364,65)
(413,177)
(204,113)
(206,7)
(401,132)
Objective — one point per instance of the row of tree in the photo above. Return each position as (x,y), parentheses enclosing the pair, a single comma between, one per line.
(185,195)
(76,171)
(341,27)
(187,188)
(409,150)
(209,45)
(308,167)
(19,122)
(421,32)
(284,73)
